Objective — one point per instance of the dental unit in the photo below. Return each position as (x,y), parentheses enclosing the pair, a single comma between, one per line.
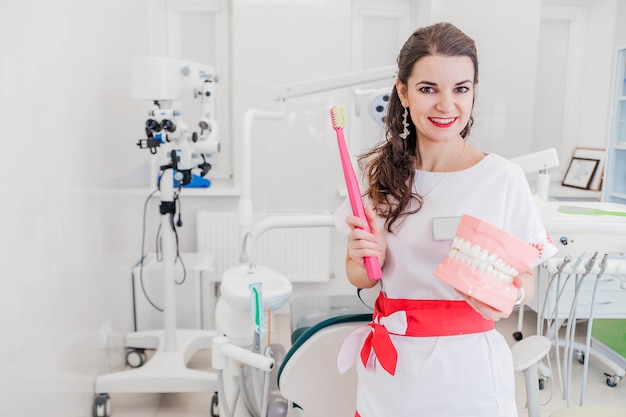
(613,266)
(583,282)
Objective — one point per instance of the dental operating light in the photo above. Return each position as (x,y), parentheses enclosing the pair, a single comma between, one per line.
(319,85)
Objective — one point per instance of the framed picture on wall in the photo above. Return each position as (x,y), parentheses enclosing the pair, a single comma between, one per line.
(593,153)
(580,172)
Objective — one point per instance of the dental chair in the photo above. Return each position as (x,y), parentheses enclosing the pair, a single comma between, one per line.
(308,376)
(309,379)
(526,356)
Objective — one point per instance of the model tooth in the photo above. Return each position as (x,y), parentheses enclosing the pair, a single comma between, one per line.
(492,258)
(466,247)
(474,251)
(489,269)
(482,265)
(483,254)
(499,264)
(514,272)
(496,266)
(475,263)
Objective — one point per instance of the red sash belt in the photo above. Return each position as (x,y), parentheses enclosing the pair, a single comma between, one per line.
(417,318)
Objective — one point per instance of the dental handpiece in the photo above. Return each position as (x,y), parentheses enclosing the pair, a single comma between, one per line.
(590,263)
(603,263)
(570,331)
(566,260)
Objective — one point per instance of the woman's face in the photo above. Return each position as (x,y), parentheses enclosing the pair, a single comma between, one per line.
(440,96)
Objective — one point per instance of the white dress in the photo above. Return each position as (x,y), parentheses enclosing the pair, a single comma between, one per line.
(450,376)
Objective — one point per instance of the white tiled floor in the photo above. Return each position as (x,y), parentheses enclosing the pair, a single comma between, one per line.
(198,404)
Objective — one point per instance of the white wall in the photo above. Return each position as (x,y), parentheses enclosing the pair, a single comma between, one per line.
(65,114)
(595,96)
(620,30)
(70,235)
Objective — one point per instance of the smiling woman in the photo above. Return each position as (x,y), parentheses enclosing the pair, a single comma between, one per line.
(425,170)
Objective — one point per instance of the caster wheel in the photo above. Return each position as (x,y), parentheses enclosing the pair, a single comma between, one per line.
(135,358)
(581,357)
(612,380)
(102,406)
(542,383)
(215,411)
(518,336)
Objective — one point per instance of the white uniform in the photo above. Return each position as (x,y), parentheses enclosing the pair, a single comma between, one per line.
(449,376)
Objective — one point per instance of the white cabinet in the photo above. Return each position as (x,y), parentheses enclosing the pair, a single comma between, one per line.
(615,178)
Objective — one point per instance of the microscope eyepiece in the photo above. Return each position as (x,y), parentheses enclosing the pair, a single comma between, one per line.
(153,125)
(168,125)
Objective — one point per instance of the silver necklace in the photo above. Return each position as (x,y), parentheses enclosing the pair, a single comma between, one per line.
(447,171)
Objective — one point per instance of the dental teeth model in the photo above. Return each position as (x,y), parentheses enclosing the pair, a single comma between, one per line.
(483,261)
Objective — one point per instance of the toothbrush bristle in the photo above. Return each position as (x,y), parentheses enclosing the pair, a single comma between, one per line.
(339,117)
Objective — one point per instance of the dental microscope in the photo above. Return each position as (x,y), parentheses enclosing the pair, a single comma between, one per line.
(183,150)
(182,160)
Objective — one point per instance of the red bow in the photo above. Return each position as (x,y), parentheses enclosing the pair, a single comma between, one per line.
(383,347)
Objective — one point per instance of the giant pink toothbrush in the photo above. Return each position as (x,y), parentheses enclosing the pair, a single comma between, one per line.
(339,119)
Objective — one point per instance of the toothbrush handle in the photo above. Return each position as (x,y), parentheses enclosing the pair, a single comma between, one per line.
(372,266)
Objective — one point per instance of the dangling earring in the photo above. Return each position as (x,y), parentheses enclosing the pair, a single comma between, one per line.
(405,123)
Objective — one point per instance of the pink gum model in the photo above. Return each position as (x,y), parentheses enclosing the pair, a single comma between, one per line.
(483,261)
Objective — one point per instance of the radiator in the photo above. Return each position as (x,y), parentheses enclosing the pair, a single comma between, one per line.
(300,254)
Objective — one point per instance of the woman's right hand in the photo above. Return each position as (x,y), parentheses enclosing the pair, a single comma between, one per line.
(362,243)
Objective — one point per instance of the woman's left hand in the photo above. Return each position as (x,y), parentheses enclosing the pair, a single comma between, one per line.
(524,281)
(484,310)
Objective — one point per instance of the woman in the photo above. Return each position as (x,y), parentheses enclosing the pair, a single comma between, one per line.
(426,170)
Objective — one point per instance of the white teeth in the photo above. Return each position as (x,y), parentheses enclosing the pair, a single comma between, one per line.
(442,121)
(480,259)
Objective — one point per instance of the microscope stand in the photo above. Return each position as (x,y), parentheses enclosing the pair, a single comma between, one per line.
(165,371)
